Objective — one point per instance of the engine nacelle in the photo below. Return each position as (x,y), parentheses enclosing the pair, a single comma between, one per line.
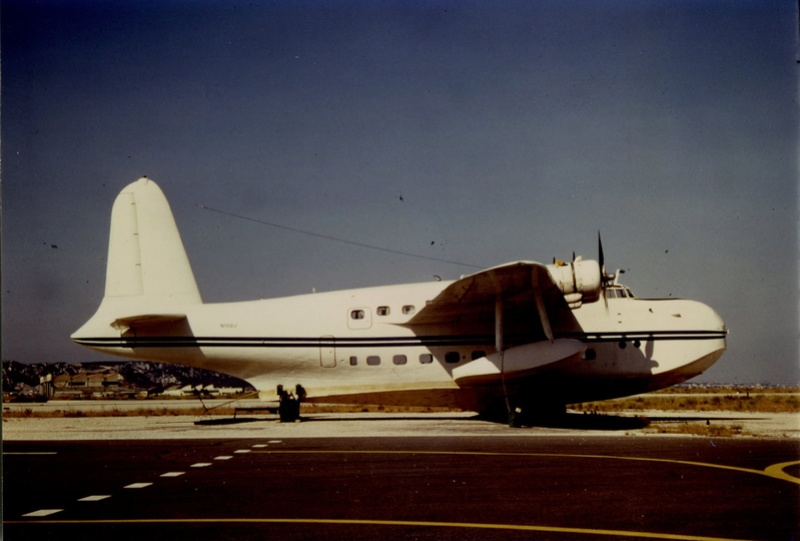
(580,281)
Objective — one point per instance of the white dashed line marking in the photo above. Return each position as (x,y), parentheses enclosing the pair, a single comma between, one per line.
(260,445)
(96,498)
(172,474)
(200,465)
(240,451)
(42,513)
(139,485)
(275,441)
(223,457)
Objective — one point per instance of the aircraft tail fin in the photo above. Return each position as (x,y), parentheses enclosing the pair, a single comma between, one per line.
(149,282)
(146,258)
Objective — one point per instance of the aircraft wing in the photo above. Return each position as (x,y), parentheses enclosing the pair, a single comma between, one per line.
(521,286)
(516,302)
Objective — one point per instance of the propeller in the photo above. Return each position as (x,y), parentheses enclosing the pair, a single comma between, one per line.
(605,278)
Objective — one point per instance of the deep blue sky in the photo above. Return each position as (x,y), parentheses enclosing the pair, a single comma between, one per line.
(478,132)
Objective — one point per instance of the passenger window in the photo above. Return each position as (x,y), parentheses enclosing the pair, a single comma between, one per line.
(477,354)
(357,314)
(353,360)
(383,310)
(399,359)
(408,309)
(373,360)
(426,358)
(452,357)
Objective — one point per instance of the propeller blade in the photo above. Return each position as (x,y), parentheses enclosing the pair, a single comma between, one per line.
(603,277)
(600,257)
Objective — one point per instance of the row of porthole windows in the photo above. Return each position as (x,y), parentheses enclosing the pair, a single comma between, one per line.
(451,357)
(590,354)
(407,310)
(359,313)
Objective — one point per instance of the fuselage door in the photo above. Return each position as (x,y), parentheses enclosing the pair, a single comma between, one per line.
(327,351)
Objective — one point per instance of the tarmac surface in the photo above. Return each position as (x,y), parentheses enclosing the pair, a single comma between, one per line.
(393,477)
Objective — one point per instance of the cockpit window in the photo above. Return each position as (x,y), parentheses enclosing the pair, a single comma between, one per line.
(619,292)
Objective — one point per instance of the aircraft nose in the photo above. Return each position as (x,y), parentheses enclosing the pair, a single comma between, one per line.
(710,325)
(701,339)
(713,320)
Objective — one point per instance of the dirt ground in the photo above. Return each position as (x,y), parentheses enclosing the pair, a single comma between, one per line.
(339,425)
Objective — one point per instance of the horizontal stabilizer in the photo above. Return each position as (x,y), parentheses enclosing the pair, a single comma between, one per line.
(124,324)
(518,361)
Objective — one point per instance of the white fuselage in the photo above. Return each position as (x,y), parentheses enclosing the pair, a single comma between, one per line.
(354,346)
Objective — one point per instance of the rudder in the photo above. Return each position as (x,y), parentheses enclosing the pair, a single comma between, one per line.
(146,257)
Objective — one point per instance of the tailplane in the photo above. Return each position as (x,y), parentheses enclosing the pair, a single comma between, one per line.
(148,277)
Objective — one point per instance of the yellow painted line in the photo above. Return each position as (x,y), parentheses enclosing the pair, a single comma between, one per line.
(775,471)
(426,524)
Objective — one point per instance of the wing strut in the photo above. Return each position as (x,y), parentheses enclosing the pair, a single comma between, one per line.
(537,296)
(498,322)
(499,346)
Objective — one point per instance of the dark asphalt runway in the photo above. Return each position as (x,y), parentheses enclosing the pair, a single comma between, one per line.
(483,488)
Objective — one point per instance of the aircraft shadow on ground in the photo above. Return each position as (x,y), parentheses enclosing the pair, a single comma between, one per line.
(315,419)
(226,421)
(423,417)
(574,421)
(684,419)
(589,421)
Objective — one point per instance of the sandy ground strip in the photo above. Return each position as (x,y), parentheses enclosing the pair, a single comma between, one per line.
(343,425)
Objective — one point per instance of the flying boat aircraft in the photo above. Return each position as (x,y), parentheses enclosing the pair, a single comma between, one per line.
(522,338)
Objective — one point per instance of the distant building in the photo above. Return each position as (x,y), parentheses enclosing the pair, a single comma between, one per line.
(113,379)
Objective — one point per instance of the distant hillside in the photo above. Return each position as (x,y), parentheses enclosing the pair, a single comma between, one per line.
(112,377)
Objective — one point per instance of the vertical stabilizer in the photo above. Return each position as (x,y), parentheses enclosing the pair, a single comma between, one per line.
(146,258)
